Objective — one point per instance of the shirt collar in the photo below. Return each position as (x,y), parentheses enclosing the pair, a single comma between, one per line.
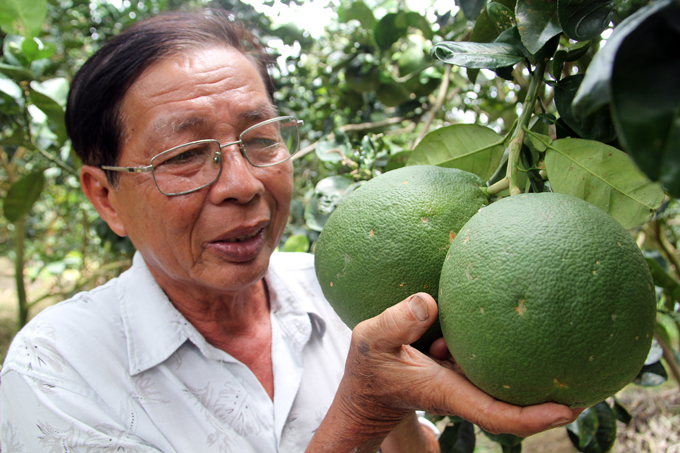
(155,329)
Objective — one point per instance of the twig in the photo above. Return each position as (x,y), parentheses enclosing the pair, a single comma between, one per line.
(351,128)
(443,89)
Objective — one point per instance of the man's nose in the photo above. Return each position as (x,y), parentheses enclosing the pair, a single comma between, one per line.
(237,182)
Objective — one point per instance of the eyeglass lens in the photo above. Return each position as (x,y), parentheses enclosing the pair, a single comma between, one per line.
(197,164)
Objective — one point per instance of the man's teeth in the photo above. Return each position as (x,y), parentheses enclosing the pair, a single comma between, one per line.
(241,238)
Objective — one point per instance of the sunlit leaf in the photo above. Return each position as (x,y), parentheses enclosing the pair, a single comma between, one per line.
(605,177)
(24,17)
(50,106)
(477,55)
(583,20)
(537,22)
(469,147)
(296,243)
(22,195)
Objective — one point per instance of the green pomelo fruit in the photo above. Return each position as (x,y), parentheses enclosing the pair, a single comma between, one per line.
(545,297)
(388,239)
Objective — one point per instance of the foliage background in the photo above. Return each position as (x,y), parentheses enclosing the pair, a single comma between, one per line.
(369,92)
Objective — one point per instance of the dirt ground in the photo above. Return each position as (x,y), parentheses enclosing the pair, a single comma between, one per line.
(656,411)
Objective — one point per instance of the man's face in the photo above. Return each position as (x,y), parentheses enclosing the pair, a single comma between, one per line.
(218,239)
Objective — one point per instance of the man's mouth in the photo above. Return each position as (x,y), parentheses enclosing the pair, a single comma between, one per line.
(242,238)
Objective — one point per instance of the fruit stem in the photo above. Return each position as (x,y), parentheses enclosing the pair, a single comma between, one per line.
(519,133)
(499,186)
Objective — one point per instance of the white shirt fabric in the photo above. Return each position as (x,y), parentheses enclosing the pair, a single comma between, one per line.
(118,368)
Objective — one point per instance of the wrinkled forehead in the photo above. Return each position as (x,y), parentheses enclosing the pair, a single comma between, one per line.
(185,85)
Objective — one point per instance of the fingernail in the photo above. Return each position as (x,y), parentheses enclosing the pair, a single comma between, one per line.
(559,423)
(418,307)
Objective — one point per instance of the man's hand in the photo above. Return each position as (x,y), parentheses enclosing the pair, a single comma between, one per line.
(385,380)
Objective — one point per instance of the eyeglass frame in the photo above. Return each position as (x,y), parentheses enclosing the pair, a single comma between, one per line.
(218,155)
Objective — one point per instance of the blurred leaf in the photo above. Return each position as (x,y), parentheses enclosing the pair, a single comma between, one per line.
(328,194)
(387,32)
(662,279)
(357,10)
(621,412)
(11,88)
(34,49)
(51,106)
(469,147)
(655,353)
(537,23)
(605,437)
(477,55)
(296,243)
(397,160)
(595,126)
(22,195)
(16,73)
(501,16)
(24,17)
(645,96)
(583,20)
(328,149)
(584,428)
(471,8)
(605,177)
(594,91)
(458,438)
(406,19)
(651,375)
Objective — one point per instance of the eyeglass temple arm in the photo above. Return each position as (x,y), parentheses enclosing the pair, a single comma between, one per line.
(127,169)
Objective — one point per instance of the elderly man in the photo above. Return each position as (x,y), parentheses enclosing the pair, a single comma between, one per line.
(213,342)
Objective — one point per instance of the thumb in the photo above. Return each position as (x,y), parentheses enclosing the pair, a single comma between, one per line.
(400,324)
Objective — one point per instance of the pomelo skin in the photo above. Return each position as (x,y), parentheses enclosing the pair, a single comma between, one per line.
(388,240)
(545,297)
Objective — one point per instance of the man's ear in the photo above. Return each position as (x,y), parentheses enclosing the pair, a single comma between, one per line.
(100,193)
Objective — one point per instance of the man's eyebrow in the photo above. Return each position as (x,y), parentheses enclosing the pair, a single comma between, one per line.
(174,125)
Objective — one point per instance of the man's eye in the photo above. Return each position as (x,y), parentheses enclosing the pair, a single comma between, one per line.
(260,143)
(188,156)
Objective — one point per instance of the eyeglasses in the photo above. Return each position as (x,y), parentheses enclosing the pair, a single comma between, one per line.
(195,165)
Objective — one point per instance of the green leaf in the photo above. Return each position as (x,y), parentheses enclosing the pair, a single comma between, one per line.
(24,17)
(604,176)
(406,19)
(651,375)
(357,10)
(594,91)
(50,106)
(16,73)
(387,32)
(606,431)
(296,243)
(10,88)
(584,428)
(596,126)
(621,412)
(583,20)
(477,55)
(484,30)
(469,147)
(471,8)
(22,195)
(458,438)
(328,194)
(34,49)
(645,96)
(537,22)
(662,279)
(329,149)
(501,16)
(506,440)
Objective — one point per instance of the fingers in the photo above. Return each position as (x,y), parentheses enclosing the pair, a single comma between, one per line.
(400,324)
(439,350)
